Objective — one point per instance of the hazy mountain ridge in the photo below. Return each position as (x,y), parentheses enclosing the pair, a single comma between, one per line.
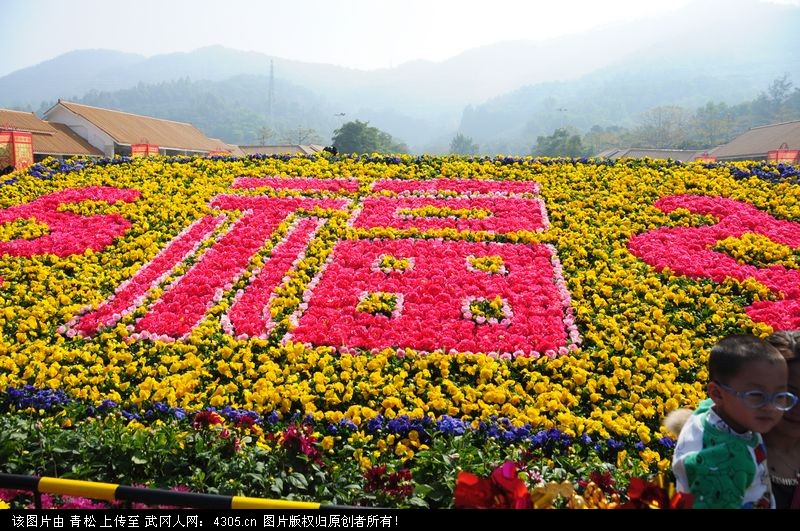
(725,67)
(503,94)
(512,122)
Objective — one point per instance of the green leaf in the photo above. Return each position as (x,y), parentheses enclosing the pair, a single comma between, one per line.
(298,480)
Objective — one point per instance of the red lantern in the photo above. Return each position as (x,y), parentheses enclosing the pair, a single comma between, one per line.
(705,157)
(783,155)
(16,149)
(143,150)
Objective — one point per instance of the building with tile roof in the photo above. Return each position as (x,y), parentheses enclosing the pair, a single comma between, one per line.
(754,144)
(683,155)
(757,142)
(49,139)
(114,132)
(282,149)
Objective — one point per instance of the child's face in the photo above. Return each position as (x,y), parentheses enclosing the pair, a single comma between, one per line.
(765,376)
(790,423)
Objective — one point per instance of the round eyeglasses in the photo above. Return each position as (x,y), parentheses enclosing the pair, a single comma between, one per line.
(783,401)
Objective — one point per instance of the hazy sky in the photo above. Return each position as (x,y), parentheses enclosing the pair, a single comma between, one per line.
(364,34)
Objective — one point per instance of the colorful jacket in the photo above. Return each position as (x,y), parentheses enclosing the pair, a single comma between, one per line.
(722,469)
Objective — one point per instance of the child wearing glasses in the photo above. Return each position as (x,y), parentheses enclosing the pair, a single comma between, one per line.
(720,457)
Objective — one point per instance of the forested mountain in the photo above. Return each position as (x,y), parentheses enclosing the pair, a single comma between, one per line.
(236,110)
(511,124)
(675,127)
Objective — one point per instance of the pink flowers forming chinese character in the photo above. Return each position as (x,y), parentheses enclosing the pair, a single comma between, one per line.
(688,251)
(249,315)
(132,293)
(309,184)
(505,299)
(504,214)
(533,312)
(463,187)
(69,233)
(185,303)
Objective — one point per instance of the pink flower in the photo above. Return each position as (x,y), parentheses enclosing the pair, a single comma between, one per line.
(689,251)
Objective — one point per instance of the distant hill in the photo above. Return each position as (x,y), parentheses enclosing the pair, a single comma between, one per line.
(502,95)
(706,58)
(71,74)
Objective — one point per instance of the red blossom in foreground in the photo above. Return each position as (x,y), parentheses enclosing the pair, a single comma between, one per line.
(502,490)
(300,438)
(206,418)
(50,501)
(604,481)
(394,484)
(649,495)
(8,495)
(244,422)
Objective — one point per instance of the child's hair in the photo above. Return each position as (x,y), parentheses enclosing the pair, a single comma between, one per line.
(788,344)
(732,353)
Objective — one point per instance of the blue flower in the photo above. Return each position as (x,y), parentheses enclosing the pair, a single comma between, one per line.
(375,423)
(615,445)
(106,405)
(451,426)
(130,416)
(348,424)
(399,425)
(666,442)
(31,397)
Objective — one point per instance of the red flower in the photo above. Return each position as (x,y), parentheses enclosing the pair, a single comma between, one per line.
(245,422)
(502,490)
(206,418)
(394,484)
(8,495)
(604,481)
(300,438)
(647,495)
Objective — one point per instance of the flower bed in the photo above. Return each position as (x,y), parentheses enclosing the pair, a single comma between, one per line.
(364,328)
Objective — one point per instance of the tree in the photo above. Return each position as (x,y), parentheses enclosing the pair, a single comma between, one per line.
(779,90)
(663,127)
(463,145)
(712,124)
(301,135)
(359,137)
(264,134)
(599,138)
(769,107)
(560,144)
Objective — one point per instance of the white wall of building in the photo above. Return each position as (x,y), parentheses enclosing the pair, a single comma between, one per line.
(84,128)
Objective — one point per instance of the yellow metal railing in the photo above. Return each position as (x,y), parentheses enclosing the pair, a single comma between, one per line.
(130,495)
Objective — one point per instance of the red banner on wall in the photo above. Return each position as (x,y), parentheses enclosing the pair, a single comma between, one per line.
(16,149)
